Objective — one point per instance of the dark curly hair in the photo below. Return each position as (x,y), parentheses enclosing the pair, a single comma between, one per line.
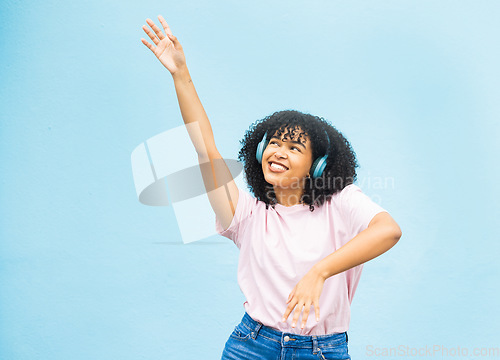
(341,165)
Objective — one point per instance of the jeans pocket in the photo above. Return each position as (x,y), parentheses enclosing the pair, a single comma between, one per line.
(334,353)
(241,333)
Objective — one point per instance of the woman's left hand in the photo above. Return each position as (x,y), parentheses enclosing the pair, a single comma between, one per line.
(305,293)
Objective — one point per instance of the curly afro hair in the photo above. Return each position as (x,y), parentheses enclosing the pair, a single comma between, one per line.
(341,165)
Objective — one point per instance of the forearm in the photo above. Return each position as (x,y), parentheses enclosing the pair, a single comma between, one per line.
(368,244)
(192,111)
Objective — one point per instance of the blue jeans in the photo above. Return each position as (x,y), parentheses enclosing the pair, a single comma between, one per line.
(251,340)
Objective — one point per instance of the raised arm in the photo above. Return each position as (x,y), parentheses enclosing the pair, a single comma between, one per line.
(221,188)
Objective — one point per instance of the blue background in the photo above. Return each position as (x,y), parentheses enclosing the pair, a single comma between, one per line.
(88,272)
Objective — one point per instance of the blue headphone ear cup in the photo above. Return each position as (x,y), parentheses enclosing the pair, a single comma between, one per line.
(260,148)
(318,166)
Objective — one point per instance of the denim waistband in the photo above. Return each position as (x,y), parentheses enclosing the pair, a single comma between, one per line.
(293,340)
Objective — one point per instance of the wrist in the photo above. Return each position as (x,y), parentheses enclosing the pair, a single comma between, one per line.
(320,270)
(181,74)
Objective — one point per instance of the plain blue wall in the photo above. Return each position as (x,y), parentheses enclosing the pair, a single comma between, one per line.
(87,272)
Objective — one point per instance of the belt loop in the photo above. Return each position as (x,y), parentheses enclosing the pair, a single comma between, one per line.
(256,330)
(346,337)
(315,344)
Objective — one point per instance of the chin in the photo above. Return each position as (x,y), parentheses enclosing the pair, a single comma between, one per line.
(270,179)
(279,182)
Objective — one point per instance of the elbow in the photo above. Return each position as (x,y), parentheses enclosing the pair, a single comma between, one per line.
(387,224)
(396,232)
(388,227)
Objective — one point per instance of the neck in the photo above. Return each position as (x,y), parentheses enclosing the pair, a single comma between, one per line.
(288,197)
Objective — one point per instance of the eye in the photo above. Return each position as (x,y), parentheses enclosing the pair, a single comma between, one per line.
(295,147)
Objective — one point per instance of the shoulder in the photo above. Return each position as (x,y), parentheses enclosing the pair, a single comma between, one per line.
(247,196)
(349,190)
(346,192)
(247,202)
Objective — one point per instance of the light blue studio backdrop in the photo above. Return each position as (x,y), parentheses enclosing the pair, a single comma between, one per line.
(88,272)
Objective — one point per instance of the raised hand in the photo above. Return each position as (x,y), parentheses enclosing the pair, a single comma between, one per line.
(168,49)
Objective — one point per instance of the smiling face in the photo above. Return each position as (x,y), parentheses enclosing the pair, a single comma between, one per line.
(286,162)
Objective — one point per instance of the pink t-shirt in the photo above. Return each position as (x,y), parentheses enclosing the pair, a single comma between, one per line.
(279,246)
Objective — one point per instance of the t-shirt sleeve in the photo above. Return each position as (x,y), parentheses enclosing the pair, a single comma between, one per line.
(358,209)
(243,210)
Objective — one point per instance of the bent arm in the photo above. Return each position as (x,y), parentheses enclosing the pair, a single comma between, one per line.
(381,234)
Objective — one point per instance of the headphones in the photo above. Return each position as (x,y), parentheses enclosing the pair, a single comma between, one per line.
(317,167)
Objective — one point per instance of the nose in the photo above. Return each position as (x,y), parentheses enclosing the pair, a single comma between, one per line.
(280,153)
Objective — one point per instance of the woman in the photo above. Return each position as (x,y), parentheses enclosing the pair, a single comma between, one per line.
(305,235)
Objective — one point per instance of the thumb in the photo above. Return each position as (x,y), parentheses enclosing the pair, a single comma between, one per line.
(174,39)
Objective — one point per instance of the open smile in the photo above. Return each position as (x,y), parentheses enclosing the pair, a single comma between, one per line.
(274,167)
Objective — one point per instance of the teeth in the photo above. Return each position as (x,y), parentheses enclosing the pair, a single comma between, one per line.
(278,167)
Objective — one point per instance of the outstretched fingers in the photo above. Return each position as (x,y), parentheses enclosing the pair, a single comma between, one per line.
(150,34)
(165,25)
(151,47)
(156,29)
